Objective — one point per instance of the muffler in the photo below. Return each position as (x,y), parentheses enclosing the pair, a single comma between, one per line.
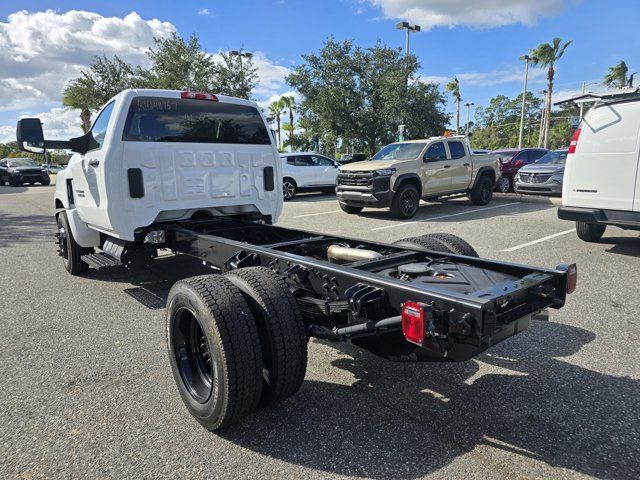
(348,254)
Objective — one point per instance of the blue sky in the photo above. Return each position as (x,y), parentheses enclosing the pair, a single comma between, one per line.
(478,41)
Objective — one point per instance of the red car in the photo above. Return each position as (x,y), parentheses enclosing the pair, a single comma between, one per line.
(511,160)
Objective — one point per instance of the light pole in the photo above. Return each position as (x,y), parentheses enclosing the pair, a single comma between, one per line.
(240,53)
(409,29)
(542,118)
(468,105)
(526,59)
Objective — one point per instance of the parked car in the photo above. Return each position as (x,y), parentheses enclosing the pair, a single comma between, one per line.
(52,169)
(306,171)
(601,179)
(511,160)
(402,173)
(544,175)
(16,171)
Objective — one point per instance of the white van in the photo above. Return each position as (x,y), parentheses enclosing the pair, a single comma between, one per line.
(601,178)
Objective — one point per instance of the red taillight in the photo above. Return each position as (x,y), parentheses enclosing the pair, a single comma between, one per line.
(413,322)
(572,278)
(574,141)
(199,96)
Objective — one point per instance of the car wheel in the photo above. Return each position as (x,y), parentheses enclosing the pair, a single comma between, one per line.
(504,184)
(350,209)
(45,181)
(405,202)
(590,232)
(69,249)
(15,183)
(482,192)
(289,188)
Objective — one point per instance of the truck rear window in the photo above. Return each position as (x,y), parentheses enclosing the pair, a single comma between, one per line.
(161,119)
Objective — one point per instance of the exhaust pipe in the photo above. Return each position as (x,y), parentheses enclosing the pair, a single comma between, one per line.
(348,254)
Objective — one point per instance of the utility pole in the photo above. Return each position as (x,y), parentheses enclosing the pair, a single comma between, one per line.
(468,105)
(526,59)
(584,87)
(408,28)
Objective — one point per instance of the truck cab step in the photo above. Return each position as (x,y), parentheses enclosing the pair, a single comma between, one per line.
(100,260)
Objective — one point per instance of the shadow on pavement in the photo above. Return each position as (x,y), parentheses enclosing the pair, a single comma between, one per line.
(407,420)
(623,245)
(20,229)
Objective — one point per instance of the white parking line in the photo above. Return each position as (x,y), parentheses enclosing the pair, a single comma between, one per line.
(543,239)
(314,214)
(444,216)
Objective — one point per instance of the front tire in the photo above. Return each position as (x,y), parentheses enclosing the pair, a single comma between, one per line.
(590,232)
(289,188)
(69,249)
(45,181)
(405,202)
(482,192)
(214,350)
(15,183)
(281,329)
(350,209)
(504,184)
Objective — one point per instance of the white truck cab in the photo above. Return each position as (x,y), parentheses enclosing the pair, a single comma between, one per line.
(161,155)
(601,178)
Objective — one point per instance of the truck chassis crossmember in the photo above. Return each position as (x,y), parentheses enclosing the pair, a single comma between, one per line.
(472,303)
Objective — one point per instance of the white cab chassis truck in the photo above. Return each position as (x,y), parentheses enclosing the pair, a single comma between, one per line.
(199,175)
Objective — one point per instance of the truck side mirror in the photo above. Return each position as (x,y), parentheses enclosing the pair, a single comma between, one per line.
(83,144)
(519,163)
(29,135)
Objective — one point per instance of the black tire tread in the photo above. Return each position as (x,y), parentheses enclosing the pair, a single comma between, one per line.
(590,232)
(350,209)
(281,327)
(476,192)
(395,209)
(428,243)
(457,244)
(75,264)
(238,336)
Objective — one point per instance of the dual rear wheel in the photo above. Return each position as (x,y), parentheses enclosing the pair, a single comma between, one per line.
(237,343)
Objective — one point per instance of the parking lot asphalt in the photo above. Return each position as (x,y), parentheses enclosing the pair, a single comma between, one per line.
(86,390)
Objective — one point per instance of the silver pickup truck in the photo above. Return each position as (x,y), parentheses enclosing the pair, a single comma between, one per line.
(402,173)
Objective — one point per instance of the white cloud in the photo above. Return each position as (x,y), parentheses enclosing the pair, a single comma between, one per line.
(57,124)
(42,51)
(475,13)
(486,79)
(271,75)
(204,12)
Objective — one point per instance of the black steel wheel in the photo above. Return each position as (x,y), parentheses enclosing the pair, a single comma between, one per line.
(69,249)
(214,350)
(405,202)
(504,184)
(289,188)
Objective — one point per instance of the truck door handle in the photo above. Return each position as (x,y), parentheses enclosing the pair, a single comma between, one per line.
(466,164)
(447,166)
(94,163)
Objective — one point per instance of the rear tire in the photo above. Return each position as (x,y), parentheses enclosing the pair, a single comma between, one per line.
(214,350)
(482,192)
(590,232)
(405,202)
(428,243)
(455,243)
(281,329)
(15,183)
(504,184)
(289,188)
(69,249)
(351,210)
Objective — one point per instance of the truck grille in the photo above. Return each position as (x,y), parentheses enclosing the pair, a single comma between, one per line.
(534,177)
(355,179)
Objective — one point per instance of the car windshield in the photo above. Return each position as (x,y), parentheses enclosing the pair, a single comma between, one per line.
(23,162)
(399,151)
(553,158)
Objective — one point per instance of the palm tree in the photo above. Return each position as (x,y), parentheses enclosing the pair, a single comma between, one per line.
(288,102)
(617,76)
(546,55)
(275,110)
(454,87)
(80,94)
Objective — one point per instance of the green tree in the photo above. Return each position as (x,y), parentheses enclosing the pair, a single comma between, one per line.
(96,85)
(235,76)
(275,111)
(357,97)
(289,102)
(454,88)
(617,76)
(546,55)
